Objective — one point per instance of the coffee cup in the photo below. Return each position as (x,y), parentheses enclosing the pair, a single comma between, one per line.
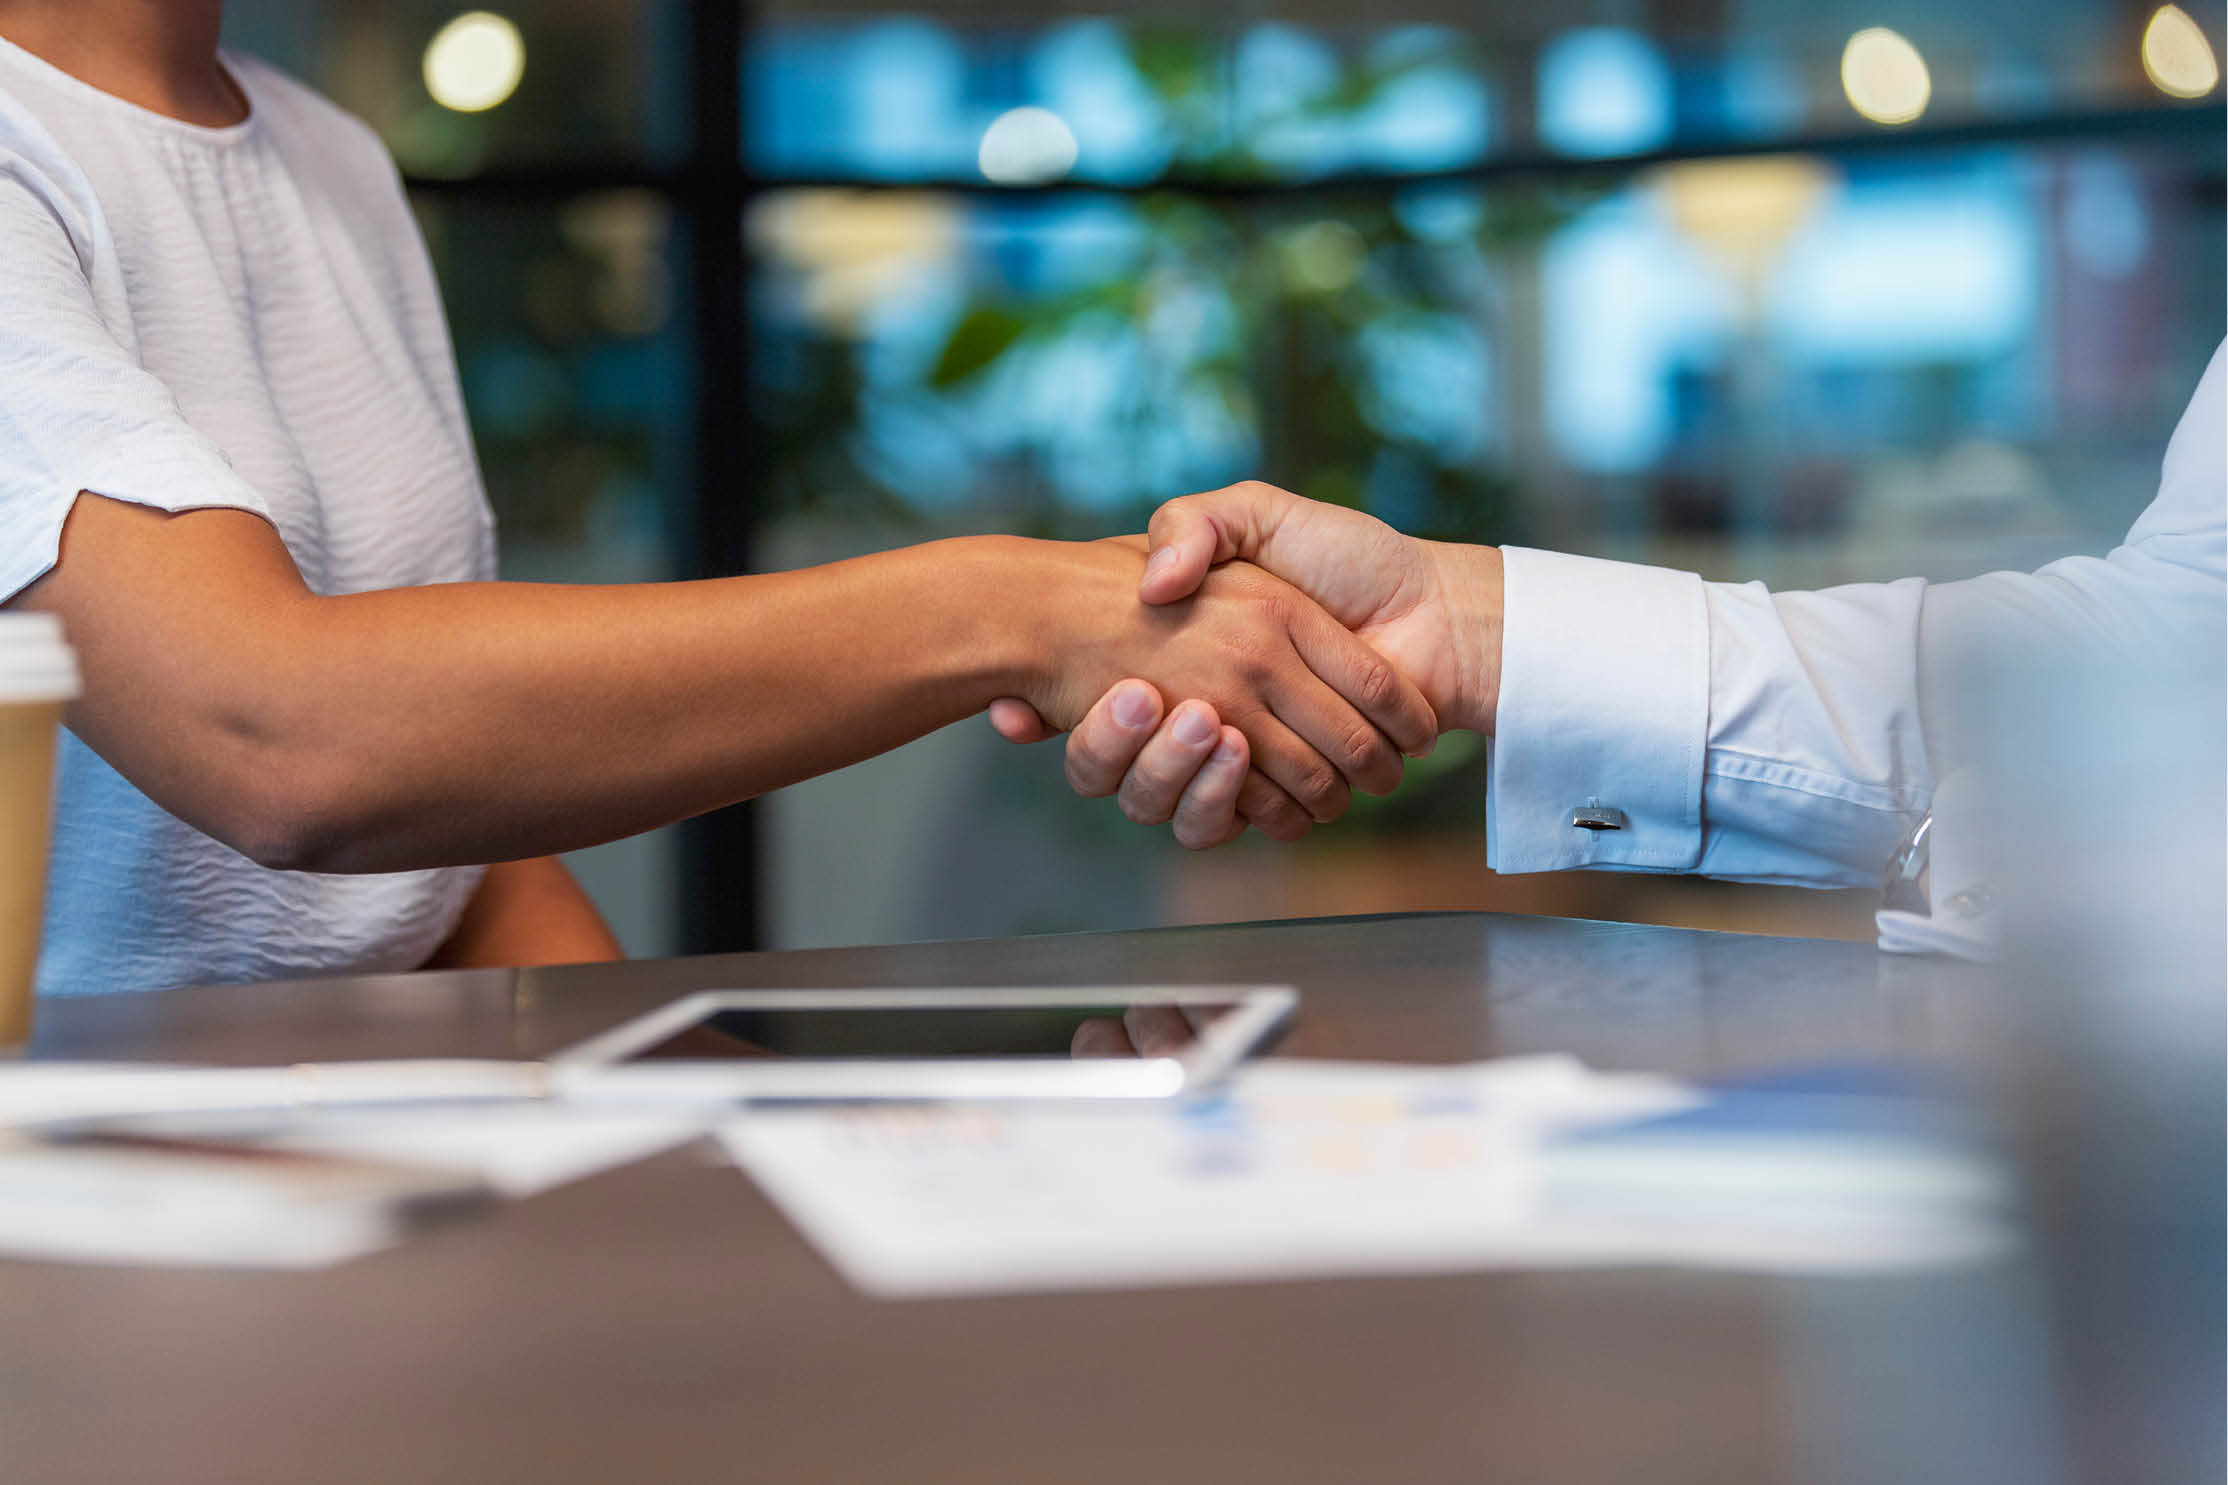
(38,677)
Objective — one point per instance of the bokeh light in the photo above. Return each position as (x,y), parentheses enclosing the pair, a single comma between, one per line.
(852,250)
(474,62)
(2176,57)
(1027,147)
(1323,257)
(1744,210)
(1604,90)
(1885,77)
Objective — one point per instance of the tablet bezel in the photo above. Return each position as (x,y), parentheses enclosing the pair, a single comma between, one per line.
(597,1068)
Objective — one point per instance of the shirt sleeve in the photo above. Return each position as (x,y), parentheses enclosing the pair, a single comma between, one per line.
(1604,706)
(1723,729)
(77,410)
(1650,721)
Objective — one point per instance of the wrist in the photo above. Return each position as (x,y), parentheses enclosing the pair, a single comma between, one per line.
(1023,595)
(993,582)
(1468,584)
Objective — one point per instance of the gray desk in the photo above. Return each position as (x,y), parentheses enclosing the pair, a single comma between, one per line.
(664,1323)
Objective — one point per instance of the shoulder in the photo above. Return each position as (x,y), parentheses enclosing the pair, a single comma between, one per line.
(42,187)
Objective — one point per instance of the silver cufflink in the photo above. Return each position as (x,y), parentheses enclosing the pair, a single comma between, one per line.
(1594,815)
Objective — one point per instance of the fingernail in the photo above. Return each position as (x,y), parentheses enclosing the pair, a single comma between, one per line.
(1227,754)
(1160,561)
(1426,750)
(1133,709)
(1191,727)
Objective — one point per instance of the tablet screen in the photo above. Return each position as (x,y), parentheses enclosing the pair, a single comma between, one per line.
(908,1032)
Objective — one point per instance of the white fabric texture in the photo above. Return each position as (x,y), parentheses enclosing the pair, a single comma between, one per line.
(243,317)
(1777,737)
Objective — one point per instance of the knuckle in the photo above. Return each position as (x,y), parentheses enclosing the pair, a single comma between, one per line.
(1267,664)
(1087,775)
(1171,512)
(1138,810)
(1264,805)
(1252,647)
(1320,789)
(1198,826)
(1377,683)
(1142,803)
(1363,751)
(1160,774)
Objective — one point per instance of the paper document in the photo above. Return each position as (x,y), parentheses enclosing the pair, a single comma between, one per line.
(1299,1169)
(86,1199)
(123,1198)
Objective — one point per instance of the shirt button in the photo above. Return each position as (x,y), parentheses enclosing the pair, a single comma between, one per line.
(1594,815)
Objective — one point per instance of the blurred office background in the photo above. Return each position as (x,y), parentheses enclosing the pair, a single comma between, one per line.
(1810,293)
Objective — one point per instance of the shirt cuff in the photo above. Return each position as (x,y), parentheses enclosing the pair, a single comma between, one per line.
(1604,709)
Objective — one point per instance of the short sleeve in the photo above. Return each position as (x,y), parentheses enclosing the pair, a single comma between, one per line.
(77,410)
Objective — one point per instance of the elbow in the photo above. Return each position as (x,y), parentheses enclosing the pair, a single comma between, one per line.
(285,816)
(280,845)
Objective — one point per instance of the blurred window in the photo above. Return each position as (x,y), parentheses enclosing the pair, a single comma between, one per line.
(1038,274)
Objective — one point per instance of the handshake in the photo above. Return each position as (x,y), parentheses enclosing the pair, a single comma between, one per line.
(1380,642)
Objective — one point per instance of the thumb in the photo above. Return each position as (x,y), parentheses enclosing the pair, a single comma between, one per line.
(1187,536)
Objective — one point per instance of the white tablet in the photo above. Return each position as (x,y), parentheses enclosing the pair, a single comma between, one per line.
(720,1045)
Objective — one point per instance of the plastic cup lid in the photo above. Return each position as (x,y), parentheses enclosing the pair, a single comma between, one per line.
(36,664)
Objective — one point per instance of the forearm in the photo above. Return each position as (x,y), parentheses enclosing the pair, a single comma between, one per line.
(473,722)
(448,724)
(527,913)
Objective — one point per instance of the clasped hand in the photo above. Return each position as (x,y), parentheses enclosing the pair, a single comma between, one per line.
(1295,709)
(1430,611)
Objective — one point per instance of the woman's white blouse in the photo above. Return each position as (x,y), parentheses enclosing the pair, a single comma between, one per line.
(244,317)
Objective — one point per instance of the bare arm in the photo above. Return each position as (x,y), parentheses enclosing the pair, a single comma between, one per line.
(491,721)
(526,913)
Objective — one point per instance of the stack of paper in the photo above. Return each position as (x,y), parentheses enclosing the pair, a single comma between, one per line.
(1300,1169)
(127,1199)
(285,1167)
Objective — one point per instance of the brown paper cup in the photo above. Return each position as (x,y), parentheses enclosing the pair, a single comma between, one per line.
(38,675)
